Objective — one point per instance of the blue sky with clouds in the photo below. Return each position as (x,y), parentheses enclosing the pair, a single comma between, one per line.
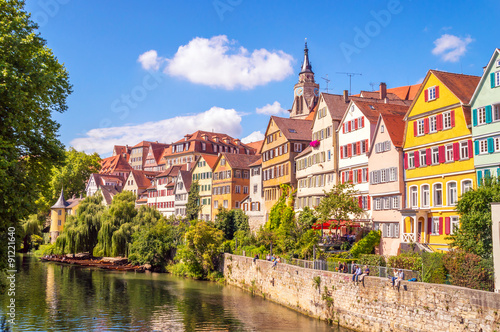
(157,70)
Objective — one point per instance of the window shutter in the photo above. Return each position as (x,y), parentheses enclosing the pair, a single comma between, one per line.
(349,126)
(439,122)
(356,124)
(440,225)
(428,156)
(426,125)
(437,91)
(456,151)
(491,147)
(492,80)
(359,175)
(474,117)
(368,201)
(406,160)
(488,114)
(416,159)
(469,146)
(426,94)
(442,156)
(447,225)
(360,201)
(396,230)
(415,128)
(341,152)
(476,147)
(343,177)
(349,150)
(479,177)
(358,147)
(371,177)
(343,128)
(366,145)
(452,116)
(387,146)
(362,122)
(350,176)
(429,225)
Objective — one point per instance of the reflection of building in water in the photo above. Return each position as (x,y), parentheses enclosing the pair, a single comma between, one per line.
(51,290)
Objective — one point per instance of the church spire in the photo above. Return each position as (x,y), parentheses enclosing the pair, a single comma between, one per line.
(306,66)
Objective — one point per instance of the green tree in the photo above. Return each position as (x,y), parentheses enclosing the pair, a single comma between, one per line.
(193,205)
(232,221)
(80,231)
(33,85)
(339,204)
(474,235)
(31,227)
(72,176)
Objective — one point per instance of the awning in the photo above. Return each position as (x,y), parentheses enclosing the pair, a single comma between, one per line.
(334,224)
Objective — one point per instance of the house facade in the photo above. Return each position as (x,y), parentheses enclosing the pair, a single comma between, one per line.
(253,204)
(438,157)
(160,194)
(202,172)
(485,105)
(181,191)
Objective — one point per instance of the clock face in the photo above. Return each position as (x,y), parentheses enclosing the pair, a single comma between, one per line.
(299,91)
(316,92)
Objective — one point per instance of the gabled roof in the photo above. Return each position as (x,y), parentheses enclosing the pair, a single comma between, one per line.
(462,86)
(311,114)
(143,143)
(140,179)
(294,129)
(256,163)
(241,161)
(210,159)
(485,74)
(304,152)
(256,145)
(108,192)
(395,126)
(171,171)
(186,178)
(114,164)
(373,110)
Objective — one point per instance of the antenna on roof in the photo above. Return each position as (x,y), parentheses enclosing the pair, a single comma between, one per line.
(350,77)
(372,85)
(327,81)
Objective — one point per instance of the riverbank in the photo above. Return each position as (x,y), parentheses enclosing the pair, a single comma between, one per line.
(108,263)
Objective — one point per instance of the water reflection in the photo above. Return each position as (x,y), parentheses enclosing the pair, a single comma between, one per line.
(54,297)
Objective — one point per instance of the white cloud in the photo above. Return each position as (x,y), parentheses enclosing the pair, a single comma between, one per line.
(451,47)
(216,62)
(149,60)
(218,119)
(273,109)
(253,137)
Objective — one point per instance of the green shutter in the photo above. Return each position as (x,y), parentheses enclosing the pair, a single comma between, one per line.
(492,80)
(474,117)
(491,146)
(476,147)
(487,174)
(488,114)
(479,177)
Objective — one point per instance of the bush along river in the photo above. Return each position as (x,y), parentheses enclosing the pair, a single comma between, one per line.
(58,297)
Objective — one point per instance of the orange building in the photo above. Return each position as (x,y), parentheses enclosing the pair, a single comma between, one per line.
(231,181)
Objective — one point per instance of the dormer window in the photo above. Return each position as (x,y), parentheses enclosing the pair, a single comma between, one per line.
(292,130)
(432,93)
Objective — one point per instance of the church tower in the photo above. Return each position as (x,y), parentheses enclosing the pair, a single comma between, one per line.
(306,91)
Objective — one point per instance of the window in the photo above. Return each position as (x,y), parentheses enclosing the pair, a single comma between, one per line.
(431,93)
(378,203)
(452,193)
(382,128)
(435,155)
(454,224)
(483,146)
(464,150)
(59,223)
(411,160)
(383,175)
(496,112)
(466,186)
(481,116)
(422,156)
(496,144)
(59,212)
(297,147)
(432,124)
(447,120)
(395,202)
(413,197)
(435,226)
(245,190)
(237,204)
(425,195)
(438,194)
(225,204)
(497,79)
(393,173)
(387,203)
(216,204)
(237,189)
(420,127)
(449,152)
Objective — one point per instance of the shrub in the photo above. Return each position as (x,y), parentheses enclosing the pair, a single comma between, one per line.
(407,261)
(373,260)
(366,245)
(433,270)
(469,270)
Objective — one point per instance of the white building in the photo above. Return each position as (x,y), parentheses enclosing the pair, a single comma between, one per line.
(253,203)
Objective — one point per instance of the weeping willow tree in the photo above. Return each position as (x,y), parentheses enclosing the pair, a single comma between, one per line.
(30,226)
(117,226)
(80,231)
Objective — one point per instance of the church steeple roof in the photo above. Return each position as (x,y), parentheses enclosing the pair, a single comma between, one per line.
(306,66)
(61,202)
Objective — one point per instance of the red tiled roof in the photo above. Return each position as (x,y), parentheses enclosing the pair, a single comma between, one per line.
(240,160)
(256,145)
(257,163)
(294,129)
(140,179)
(372,110)
(311,115)
(114,164)
(211,159)
(462,86)
(395,126)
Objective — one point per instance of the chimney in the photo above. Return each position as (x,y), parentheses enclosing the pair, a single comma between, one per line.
(383,90)
(346,96)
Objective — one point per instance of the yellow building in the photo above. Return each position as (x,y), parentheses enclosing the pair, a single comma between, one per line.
(285,139)
(202,172)
(438,158)
(59,212)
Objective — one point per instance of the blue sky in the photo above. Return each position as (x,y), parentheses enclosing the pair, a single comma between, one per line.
(158,70)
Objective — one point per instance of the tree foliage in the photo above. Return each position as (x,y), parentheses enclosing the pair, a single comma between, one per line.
(193,205)
(474,235)
(231,221)
(33,85)
(339,204)
(366,245)
(469,270)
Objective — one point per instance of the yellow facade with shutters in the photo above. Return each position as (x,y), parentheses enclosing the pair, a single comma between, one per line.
(202,173)
(439,164)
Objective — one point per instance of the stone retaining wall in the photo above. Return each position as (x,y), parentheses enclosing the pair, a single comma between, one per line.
(376,306)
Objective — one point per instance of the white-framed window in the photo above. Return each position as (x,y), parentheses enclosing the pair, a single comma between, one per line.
(432,124)
(297,147)
(431,93)
(483,146)
(496,143)
(446,120)
(378,203)
(435,226)
(451,191)
(387,203)
(449,152)
(420,127)
(454,224)
(413,197)
(422,155)
(411,160)
(481,115)
(225,204)
(393,173)
(497,78)
(466,186)
(364,173)
(383,175)
(216,204)
(364,202)
(437,193)
(426,195)
(464,150)
(395,202)
(435,155)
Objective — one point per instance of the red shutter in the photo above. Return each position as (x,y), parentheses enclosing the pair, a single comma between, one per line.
(447,225)
(442,156)
(368,201)
(416,159)
(341,152)
(439,122)
(429,225)
(358,147)
(437,91)
(360,201)
(415,128)
(440,225)
(343,177)
(349,150)
(362,122)
(350,176)
(428,156)
(426,125)
(356,124)
(456,151)
(349,126)
(343,128)
(406,160)
(366,146)
(452,114)
(367,179)
(426,94)
(359,175)
(471,151)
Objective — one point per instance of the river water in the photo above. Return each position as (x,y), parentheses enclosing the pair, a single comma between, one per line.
(56,297)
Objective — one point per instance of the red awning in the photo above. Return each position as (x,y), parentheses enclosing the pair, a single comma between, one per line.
(334,224)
